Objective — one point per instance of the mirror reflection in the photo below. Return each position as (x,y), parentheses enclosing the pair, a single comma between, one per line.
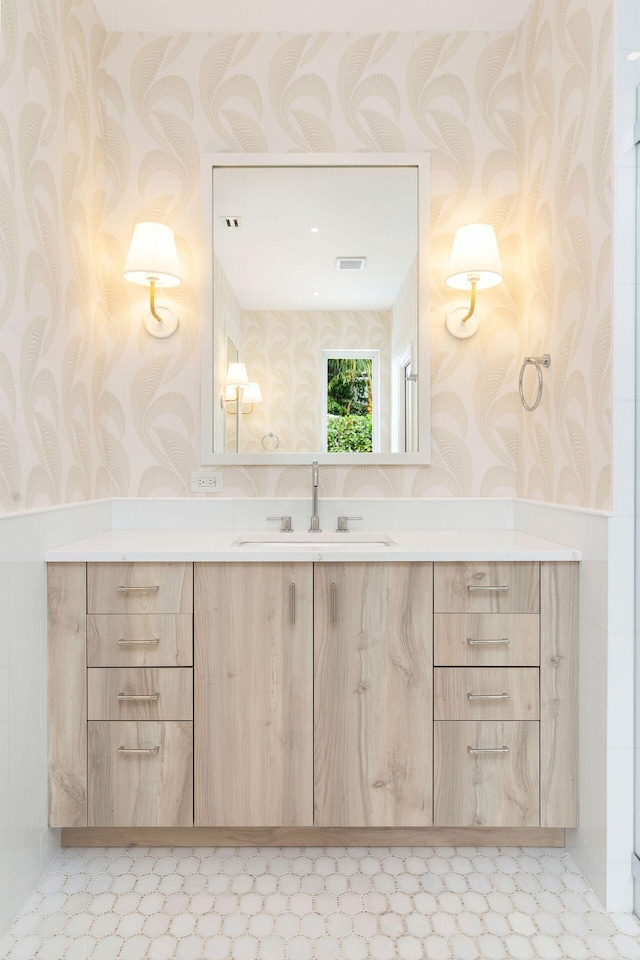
(315,303)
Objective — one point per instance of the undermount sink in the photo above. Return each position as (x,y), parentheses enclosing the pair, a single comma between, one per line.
(302,540)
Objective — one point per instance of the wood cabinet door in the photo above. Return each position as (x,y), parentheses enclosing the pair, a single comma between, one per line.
(486,774)
(373,694)
(140,774)
(253,686)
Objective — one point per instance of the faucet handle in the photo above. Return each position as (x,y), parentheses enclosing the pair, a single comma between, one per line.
(343,524)
(285,523)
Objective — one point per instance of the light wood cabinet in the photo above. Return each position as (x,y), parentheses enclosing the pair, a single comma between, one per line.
(373,696)
(140,640)
(486,693)
(487,587)
(140,693)
(67,680)
(486,774)
(140,588)
(486,639)
(254,694)
(140,774)
(323,703)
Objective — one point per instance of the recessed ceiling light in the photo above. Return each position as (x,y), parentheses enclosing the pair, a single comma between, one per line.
(315,229)
(634,56)
(316,293)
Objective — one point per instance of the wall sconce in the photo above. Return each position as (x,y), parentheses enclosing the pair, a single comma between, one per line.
(251,394)
(152,261)
(236,382)
(475,265)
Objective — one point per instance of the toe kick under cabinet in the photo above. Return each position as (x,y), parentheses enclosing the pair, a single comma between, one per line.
(313,702)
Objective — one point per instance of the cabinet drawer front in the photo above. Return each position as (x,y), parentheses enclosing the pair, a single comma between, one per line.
(140,640)
(140,693)
(487,588)
(140,588)
(140,774)
(496,786)
(486,693)
(486,639)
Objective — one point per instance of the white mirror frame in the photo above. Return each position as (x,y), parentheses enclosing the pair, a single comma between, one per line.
(419,160)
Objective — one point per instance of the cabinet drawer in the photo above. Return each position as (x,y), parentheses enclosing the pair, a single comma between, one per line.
(486,693)
(140,588)
(486,639)
(486,587)
(140,693)
(140,774)
(496,786)
(140,640)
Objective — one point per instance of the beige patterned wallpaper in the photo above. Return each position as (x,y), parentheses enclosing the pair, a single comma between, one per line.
(518,127)
(52,163)
(565,56)
(456,96)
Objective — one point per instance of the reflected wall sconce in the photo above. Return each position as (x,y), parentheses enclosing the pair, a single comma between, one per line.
(475,265)
(251,394)
(152,261)
(240,392)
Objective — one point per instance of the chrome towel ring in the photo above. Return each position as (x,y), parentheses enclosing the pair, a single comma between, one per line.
(539,363)
(270,441)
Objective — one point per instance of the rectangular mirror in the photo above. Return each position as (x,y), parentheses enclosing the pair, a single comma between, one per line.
(315,323)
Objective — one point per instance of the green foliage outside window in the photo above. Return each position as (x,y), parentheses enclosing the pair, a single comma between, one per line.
(349,405)
(349,434)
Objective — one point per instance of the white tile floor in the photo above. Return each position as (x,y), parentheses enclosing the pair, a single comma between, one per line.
(321,904)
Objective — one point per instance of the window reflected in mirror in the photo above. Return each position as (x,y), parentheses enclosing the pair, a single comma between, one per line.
(352,381)
(315,293)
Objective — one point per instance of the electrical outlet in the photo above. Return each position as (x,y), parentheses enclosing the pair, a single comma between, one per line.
(206,481)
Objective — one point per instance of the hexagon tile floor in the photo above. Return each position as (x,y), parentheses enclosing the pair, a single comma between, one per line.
(320,904)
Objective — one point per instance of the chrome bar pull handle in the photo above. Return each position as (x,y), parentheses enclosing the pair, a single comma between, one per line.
(145,750)
(138,643)
(481,750)
(334,602)
(488,696)
(148,589)
(137,697)
(292,603)
(489,588)
(481,643)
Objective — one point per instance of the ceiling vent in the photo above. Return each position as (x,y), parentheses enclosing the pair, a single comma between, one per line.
(233,223)
(351,263)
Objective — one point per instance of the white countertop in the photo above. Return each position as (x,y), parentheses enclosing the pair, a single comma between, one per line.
(218,545)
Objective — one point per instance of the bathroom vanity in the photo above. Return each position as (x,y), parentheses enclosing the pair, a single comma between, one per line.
(205,693)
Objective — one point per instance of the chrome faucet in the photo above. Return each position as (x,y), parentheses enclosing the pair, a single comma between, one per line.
(314,526)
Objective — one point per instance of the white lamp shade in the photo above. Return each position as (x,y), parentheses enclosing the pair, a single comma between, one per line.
(252,393)
(237,375)
(475,256)
(153,256)
(230,395)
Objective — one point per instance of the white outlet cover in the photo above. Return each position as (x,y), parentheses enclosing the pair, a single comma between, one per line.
(206,481)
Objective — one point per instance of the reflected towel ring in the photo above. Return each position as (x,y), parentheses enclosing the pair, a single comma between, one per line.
(539,363)
(272,441)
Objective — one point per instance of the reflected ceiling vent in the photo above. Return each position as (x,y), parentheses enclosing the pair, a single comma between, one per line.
(234,223)
(351,263)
